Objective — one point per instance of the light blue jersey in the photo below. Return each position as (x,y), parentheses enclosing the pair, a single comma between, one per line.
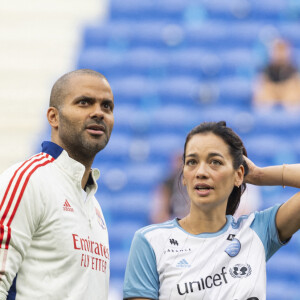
(166,262)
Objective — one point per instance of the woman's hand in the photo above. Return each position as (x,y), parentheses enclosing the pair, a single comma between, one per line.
(253,174)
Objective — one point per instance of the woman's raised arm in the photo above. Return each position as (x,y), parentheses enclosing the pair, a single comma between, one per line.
(288,215)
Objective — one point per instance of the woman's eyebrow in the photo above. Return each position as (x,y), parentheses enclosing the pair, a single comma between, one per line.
(215,154)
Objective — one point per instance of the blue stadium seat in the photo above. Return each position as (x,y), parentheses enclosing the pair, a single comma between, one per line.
(122,232)
(145,61)
(117,149)
(176,119)
(163,146)
(123,206)
(290,32)
(194,62)
(129,119)
(101,59)
(282,288)
(147,9)
(105,34)
(122,35)
(239,62)
(285,265)
(144,175)
(235,90)
(267,148)
(218,9)
(278,121)
(118,260)
(208,34)
(132,89)
(180,90)
(269,9)
(129,176)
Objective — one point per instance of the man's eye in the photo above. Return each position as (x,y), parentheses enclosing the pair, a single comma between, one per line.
(83,102)
(108,106)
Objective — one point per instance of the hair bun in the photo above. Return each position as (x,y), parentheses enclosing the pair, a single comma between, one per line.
(222,123)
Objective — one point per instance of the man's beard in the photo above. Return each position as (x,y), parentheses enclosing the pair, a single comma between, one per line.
(79,146)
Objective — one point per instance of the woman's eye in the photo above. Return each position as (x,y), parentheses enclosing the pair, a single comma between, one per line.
(216,162)
(191,162)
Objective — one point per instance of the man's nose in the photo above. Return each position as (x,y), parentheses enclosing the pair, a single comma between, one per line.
(97,112)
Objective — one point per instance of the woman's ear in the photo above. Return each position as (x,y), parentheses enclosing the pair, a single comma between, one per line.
(239,176)
(183,180)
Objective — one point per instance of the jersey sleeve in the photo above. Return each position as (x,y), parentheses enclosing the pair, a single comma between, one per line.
(18,220)
(264,225)
(141,276)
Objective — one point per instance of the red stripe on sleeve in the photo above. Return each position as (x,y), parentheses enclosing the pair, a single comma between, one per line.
(20,197)
(12,179)
(16,188)
(4,216)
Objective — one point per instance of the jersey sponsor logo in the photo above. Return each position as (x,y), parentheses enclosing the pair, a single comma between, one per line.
(176,251)
(233,248)
(240,271)
(94,255)
(67,206)
(183,264)
(208,282)
(173,242)
(230,237)
(174,247)
(100,219)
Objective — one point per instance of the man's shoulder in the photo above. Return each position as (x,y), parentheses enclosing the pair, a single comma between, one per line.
(26,171)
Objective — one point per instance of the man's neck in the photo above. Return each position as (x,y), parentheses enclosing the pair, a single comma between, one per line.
(85,178)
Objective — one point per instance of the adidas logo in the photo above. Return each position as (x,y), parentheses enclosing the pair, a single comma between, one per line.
(67,206)
(183,264)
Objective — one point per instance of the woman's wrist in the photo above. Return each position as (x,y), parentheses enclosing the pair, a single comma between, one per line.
(258,176)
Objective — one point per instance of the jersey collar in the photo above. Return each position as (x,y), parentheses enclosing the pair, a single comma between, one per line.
(207,234)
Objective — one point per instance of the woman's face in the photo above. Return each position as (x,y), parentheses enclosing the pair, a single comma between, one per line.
(208,172)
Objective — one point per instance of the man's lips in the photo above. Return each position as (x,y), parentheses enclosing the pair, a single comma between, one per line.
(95,129)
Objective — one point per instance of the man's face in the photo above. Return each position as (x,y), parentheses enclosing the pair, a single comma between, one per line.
(86,116)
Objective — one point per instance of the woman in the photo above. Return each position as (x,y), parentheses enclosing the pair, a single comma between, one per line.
(208,254)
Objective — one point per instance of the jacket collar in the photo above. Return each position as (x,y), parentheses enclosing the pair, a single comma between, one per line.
(70,166)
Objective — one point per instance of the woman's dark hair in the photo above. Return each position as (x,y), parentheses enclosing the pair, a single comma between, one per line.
(236,150)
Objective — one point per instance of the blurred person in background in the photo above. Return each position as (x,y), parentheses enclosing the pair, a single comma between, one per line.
(53,237)
(210,254)
(170,198)
(279,81)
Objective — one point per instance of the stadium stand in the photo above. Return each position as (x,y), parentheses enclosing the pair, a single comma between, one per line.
(172,65)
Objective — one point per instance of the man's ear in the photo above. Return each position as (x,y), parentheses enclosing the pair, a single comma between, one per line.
(53,117)
(239,176)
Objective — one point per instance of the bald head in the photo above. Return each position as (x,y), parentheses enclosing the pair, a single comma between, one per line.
(61,87)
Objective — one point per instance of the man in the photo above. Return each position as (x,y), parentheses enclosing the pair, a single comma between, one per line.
(53,237)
